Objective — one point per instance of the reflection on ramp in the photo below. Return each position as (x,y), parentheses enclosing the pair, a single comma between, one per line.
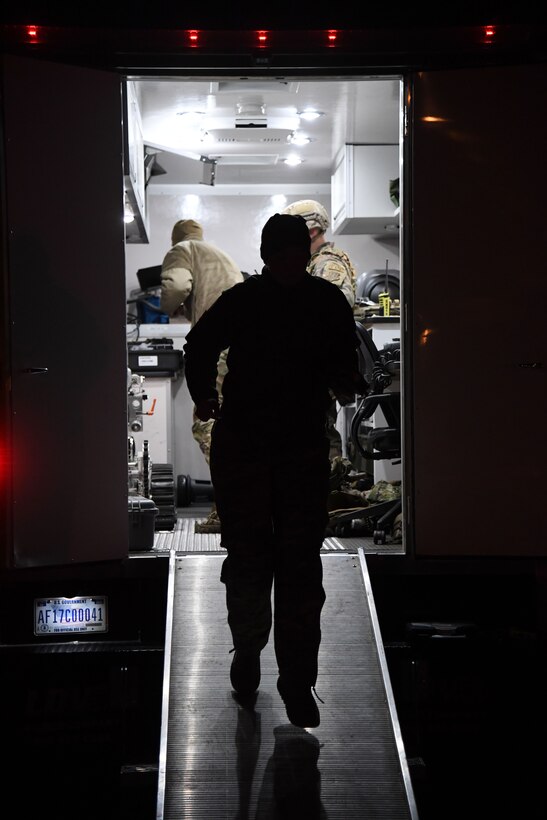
(228,760)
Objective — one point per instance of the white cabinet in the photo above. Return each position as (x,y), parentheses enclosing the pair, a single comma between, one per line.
(136,231)
(360,200)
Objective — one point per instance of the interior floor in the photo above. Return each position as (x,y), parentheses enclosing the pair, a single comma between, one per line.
(184,539)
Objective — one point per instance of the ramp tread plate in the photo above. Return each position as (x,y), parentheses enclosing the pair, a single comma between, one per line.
(183,539)
(224,761)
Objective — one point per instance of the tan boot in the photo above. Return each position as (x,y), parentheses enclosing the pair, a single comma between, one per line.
(209,524)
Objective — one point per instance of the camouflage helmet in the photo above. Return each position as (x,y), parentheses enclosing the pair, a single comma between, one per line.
(312,211)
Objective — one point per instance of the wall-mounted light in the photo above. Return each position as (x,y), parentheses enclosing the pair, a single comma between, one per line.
(128,212)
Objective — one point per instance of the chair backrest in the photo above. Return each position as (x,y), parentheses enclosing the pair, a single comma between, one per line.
(368,352)
(378,367)
(375,365)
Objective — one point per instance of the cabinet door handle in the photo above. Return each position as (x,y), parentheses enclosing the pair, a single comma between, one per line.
(530,364)
(34,371)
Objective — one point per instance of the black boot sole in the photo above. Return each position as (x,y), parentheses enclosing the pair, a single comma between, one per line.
(300,706)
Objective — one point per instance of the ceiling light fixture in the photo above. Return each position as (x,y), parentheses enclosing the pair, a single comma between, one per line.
(299,139)
(310,114)
(292,159)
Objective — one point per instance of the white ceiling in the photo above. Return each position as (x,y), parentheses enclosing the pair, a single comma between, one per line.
(248,123)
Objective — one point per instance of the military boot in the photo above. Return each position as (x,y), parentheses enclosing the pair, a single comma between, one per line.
(300,704)
(210,524)
(245,671)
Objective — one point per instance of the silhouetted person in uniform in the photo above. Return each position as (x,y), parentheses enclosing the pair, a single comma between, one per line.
(331,263)
(291,337)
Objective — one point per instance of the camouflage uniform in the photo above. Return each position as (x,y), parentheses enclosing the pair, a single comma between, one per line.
(201,430)
(333,264)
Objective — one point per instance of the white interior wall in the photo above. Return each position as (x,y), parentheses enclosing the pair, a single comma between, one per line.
(233,223)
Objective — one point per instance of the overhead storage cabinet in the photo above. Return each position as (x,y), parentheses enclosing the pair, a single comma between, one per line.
(360,199)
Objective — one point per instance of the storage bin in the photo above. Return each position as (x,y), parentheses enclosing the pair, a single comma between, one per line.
(142,515)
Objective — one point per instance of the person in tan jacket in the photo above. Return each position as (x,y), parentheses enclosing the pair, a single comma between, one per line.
(194,274)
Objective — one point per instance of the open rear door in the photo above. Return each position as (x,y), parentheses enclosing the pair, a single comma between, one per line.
(64,418)
(479,291)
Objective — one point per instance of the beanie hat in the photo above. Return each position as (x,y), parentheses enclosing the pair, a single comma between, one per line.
(186,229)
(283,231)
(312,211)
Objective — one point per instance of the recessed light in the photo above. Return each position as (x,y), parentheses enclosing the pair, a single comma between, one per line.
(299,139)
(310,114)
(292,159)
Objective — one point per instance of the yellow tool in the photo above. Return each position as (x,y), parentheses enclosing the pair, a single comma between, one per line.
(384,299)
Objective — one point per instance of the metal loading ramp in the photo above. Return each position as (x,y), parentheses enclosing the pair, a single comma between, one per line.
(219,761)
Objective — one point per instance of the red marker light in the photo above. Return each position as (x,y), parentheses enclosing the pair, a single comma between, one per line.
(262,37)
(5,463)
(489,33)
(193,37)
(32,32)
(332,36)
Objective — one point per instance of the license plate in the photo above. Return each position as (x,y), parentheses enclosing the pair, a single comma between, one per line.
(57,616)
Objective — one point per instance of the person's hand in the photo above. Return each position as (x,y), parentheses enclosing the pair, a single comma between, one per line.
(208,409)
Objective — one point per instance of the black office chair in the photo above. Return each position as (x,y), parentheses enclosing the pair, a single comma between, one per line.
(376,443)
(378,368)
